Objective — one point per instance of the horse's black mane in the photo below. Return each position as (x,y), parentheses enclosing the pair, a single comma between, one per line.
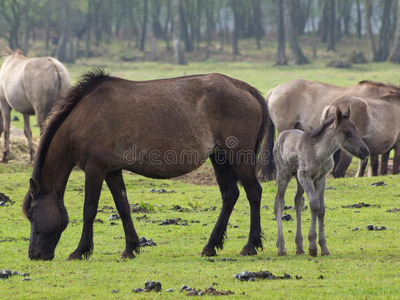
(63,105)
(380,84)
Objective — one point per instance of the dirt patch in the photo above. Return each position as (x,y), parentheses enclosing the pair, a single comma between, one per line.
(361,204)
(202,176)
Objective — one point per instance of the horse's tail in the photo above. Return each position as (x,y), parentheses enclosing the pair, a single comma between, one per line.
(266,166)
(61,81)
(265,120)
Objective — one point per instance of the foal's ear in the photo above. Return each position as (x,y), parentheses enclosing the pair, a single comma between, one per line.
(347,114)
(34,188)
(339,115)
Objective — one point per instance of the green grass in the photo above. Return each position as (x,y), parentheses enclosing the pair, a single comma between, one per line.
(363,264)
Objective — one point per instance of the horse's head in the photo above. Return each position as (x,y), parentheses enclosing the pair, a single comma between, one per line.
(348,137)
(48,218)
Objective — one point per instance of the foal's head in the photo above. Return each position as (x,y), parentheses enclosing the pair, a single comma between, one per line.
(347,135)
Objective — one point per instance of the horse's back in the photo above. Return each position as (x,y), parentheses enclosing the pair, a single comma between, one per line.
(178,121)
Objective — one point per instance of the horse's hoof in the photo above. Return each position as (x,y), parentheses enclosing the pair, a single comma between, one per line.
(126,254)
(326,253)
(4,161)
(208,252)
(300,252)
(313,253)
(248,251)
(282,253)
(74,256)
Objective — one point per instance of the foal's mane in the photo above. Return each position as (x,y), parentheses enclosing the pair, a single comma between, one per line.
(320,129)
(63,105)
(380,84)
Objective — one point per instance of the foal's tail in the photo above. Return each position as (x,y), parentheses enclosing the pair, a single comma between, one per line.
(266,120)
(265,166)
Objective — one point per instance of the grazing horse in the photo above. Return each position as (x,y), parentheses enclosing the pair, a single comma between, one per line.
(298,104)
(308,156)
(159,129)
(29,85)
(378,123)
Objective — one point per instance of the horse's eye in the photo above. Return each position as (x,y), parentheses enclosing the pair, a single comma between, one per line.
(347,134)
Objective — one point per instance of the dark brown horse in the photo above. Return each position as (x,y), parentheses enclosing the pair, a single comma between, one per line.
(159,129)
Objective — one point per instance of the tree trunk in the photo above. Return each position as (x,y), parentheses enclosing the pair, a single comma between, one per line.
(324,22)
(179,56)
(209,11)
(236,25)
(359,19)
(155,19)
(144,27)
(280,59)
(167,21)
(257,20)
(368,15)
(184,29)
(331,26)
(65,47)
(297,53)
(88,28)
(385,32)
(394,55)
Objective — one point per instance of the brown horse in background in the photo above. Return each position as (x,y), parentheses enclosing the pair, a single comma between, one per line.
(158,129)
(298,104)
(29,86)
(378,123)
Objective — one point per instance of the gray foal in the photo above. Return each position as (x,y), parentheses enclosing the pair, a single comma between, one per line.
(308,157)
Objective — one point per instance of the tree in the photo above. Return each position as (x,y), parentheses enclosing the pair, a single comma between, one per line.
(144,26)
(297,54)
(280,58)
(394,55)
(65,49)
(179,56)
(331,26)
(236,25)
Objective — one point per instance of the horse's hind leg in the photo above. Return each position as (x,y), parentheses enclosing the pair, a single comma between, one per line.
(282,180)
(227,181)
(116,185)
(248,178)
(6,111)
(396,159)
(93,183)
(374,164)
(299,203)
(384,163)
(28,134)
(320,190)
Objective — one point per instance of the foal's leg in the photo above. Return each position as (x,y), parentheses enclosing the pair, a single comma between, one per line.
(299,203)
(6,111)
(282,180)
(320,189)
(248,178)
(28,134)
(308,186)
(227,181)
(116,185)
(93,183)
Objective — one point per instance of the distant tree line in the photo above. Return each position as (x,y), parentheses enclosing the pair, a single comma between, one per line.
(75,26)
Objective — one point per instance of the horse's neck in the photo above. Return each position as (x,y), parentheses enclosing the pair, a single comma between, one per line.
(55,171)
(326,144)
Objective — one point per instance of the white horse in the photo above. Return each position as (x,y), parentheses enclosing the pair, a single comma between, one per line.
(29,85)
(308,157)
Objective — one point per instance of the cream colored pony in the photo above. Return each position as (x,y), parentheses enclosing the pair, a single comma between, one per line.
(29,85)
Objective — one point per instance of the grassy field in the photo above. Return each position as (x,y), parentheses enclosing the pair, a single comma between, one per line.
(363,264)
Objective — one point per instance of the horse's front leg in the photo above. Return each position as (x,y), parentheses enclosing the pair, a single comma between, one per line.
(396,158)
(308,186)
(28,134)
(362,165)
(299,203)
(282,180)
(320,190)
(384,163)
(93,183)
(116,185)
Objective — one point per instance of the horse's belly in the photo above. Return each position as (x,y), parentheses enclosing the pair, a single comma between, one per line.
(17,100)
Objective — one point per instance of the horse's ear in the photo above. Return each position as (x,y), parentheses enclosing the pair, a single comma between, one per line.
(339,115)
(34,188)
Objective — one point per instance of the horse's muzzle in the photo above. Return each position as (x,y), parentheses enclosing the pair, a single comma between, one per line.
(40,256)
